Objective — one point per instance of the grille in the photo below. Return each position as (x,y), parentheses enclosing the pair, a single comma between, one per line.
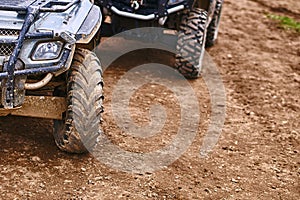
(9,32)
(6,50)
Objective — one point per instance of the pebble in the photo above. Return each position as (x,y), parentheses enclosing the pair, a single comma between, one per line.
(36,159)
(207,190)
(296,78)
(234,180)
(42,185)
(67,181)
(273,187)
(99,178)
(90,182)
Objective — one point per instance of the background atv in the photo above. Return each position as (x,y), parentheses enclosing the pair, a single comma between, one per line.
(196,22)
(46,69)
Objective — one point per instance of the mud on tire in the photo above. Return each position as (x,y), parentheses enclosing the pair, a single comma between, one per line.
(191,43)
(80,127)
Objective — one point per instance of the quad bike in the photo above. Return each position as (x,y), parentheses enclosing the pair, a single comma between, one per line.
(196,22)
(47,69)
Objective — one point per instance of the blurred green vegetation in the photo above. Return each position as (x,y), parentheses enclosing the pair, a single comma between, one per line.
(286,22)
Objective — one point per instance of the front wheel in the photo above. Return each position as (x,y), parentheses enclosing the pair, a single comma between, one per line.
(191,43)
(80,128)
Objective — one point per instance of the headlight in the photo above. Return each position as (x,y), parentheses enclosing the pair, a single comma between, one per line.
(173,2)
(47,51)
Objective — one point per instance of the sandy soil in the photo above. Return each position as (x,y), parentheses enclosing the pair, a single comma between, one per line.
(257,155)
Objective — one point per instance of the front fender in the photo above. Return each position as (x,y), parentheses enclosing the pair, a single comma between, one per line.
(80,22)
(90,26)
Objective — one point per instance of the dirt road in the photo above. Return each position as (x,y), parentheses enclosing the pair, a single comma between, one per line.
(258,153)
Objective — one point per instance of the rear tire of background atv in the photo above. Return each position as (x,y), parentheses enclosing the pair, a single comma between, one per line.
(80,128)
(191,43)
(212,30)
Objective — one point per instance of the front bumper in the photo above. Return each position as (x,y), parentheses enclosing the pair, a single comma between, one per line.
(36,69)
(146,17)
(147,11)
(12,82)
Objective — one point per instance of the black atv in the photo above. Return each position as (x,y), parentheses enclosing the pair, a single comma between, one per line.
(196,22)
